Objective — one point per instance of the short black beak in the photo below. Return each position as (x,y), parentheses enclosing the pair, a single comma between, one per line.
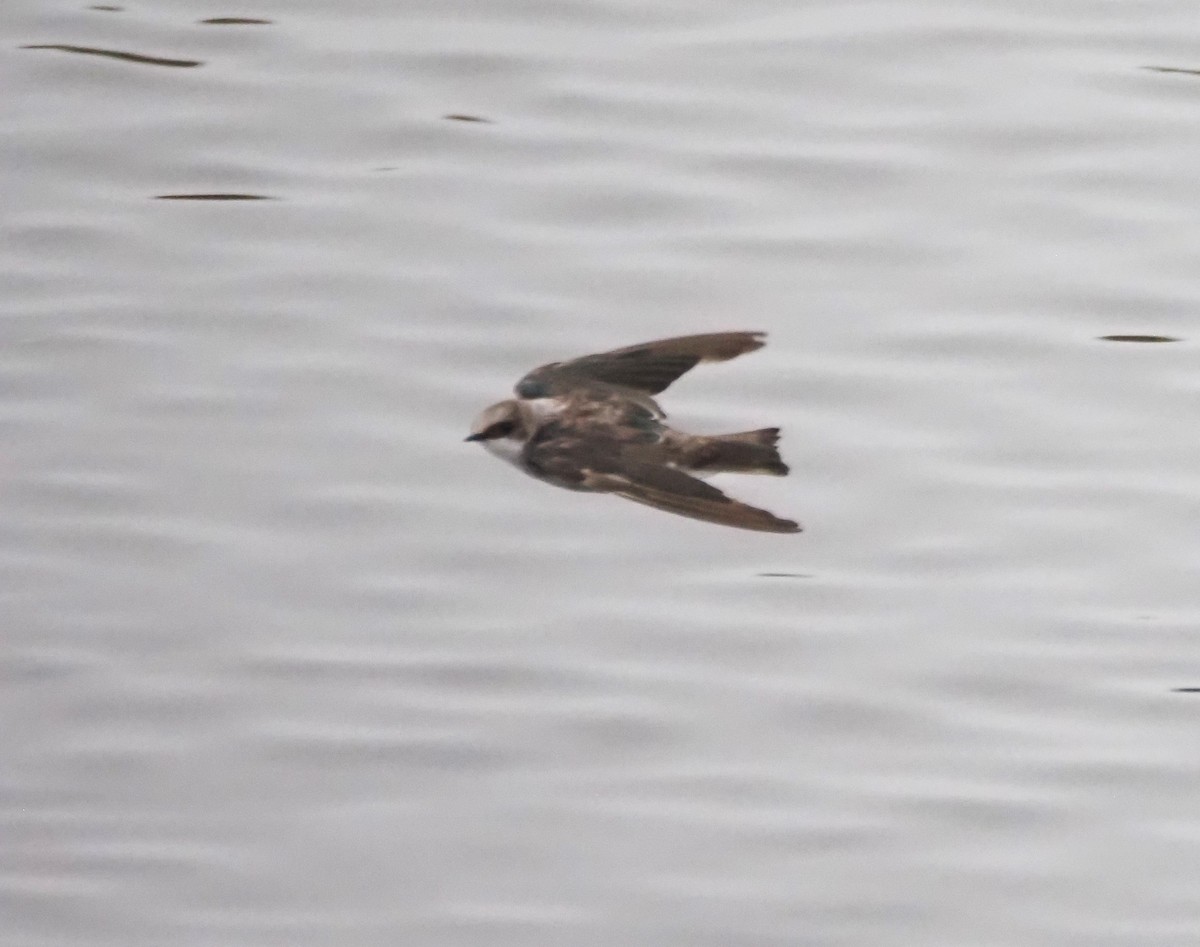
(473,437)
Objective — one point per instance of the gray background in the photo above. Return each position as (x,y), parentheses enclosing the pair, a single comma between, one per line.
(286,663)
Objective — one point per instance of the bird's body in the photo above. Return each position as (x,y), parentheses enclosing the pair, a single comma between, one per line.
(592,424)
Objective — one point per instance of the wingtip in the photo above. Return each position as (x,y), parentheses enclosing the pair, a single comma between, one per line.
(755,341)
(722,346)
(768,522)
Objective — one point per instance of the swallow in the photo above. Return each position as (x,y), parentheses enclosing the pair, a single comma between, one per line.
(592,424)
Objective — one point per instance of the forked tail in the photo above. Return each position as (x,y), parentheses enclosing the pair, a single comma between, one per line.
(746,452)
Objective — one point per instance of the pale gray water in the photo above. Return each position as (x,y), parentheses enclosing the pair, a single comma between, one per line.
(286,663)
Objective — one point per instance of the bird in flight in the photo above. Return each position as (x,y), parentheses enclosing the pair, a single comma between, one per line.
(592,424)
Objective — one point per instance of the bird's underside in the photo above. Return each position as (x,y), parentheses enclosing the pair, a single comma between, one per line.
(592,424)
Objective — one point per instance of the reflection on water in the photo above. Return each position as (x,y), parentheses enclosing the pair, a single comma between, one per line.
(1175,69)
(116,54)
(214,197)
(1139,338)
(234,21)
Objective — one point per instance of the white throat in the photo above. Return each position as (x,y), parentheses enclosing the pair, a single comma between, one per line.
(506,448)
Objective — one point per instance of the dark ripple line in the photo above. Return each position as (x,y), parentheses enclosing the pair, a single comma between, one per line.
(1175,69)
(117,54)
(234,21)
(458,117)
(214,197)
(1138,338)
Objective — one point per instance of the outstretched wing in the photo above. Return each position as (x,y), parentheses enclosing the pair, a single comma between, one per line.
(649,367)
(676,492)
(600,464)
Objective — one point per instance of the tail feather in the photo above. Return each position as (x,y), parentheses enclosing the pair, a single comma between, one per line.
(745,452)
(764,436)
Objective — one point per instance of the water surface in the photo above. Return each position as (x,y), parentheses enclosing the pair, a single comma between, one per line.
(286,663)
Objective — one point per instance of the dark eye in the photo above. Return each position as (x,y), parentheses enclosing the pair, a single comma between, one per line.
(499,429)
